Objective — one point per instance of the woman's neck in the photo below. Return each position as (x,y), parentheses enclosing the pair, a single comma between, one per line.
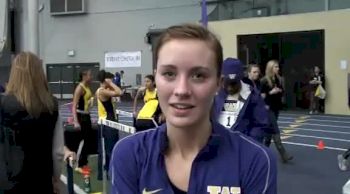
(190,140)
(103,85)
(84,83)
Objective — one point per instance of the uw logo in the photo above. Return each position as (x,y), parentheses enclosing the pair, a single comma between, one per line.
(232,76)
(223,190)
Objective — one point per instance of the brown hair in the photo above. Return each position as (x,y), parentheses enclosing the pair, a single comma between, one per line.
(83,73)
(251,66)
(27,82)
(192,32)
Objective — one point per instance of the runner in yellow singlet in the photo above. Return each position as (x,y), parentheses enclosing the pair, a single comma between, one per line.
(82,102)
(149,115)
(106,110)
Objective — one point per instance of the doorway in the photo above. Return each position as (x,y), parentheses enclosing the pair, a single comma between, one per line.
(64,77)
(297,53)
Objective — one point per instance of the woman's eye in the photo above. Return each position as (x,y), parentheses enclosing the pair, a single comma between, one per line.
(169,74)
(198,76)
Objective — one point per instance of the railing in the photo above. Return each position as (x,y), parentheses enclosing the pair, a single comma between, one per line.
(237,9)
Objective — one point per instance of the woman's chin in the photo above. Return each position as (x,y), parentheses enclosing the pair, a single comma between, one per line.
(181,122)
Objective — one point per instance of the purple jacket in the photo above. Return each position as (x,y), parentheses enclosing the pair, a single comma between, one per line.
(229,163)
(253,118)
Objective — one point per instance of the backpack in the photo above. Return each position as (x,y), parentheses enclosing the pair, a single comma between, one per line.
(11,155)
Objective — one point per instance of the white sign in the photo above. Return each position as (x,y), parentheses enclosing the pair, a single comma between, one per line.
(123,59)
(343,64)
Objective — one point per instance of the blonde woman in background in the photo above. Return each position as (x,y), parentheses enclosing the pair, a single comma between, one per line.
(30,114)
(272,92)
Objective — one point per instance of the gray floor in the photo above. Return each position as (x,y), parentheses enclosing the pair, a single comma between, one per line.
(313,171)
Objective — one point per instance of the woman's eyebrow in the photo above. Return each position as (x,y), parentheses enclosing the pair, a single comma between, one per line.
(196,68)
(200,68)
(168,66)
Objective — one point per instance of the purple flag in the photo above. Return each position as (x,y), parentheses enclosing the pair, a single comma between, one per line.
(204,13)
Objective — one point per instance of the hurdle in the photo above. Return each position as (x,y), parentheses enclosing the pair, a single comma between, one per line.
(128,114)
(124,113)
(117,126)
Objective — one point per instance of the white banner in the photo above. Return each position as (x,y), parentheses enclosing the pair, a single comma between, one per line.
(3,24)
(123,59)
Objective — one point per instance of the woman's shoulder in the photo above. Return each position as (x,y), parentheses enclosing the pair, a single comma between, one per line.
(251,154)
(248,147)
(263,80)
(144,142)
(10,101)
(264,83)
(257,163)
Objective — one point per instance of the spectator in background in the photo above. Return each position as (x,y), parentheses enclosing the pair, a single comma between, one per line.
(316,79)
(119,81)
(122,82)
(2,89)
(272,92)
(30,114)
(253,78)
(116,79)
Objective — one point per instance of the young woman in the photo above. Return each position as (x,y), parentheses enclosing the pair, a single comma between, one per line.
(106,110)
(30,111)
(148,116)
(190,153)
(82,102)
(316,79)
(272,91)
(253,78)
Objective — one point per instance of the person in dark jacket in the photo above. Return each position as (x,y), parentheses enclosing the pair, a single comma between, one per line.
(30,113)
(238,106)
(2,89)
(116,79)
(253,78)
(316,79)
(272,92)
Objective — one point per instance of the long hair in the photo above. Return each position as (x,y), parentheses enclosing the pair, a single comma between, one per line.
(27,82)
(269,74)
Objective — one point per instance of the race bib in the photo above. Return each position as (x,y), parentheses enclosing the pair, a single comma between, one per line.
(229,114)
(228,119)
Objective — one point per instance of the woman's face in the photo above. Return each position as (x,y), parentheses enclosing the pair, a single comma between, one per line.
(148,83)
(187,81)
(276,69)
(316,70)
(88,76)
